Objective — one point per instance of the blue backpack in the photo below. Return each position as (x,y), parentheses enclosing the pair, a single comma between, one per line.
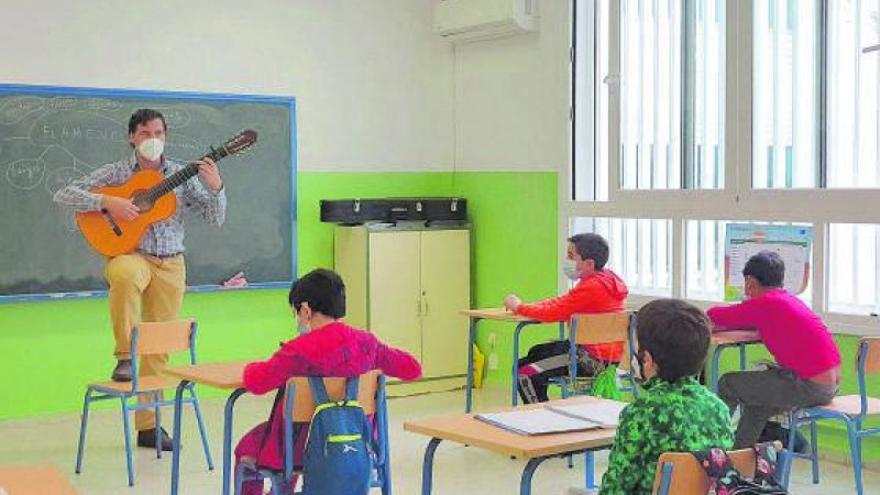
(337,460)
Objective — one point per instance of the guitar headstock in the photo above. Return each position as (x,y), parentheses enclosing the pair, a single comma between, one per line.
(238,143)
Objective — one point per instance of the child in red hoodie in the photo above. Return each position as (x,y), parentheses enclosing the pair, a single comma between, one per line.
(598,290)
(325,347)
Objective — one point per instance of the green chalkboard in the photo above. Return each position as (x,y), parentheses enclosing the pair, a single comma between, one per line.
(50,135)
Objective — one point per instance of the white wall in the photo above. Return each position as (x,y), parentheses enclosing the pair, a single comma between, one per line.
(512,98)
(376,89)
(373,83)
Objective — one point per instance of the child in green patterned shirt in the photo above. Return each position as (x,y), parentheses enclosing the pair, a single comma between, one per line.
(675,413)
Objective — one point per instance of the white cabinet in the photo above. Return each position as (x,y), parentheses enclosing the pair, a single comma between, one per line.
(407,287)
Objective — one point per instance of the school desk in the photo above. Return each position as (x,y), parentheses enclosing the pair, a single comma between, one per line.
(497,314)
(465,429)
(226,376)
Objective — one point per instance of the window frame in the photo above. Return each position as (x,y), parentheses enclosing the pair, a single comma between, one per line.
(737,200)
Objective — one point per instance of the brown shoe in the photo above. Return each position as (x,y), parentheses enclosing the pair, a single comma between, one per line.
(122,372)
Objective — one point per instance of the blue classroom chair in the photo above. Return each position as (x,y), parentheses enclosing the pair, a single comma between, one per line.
(299,406)
(852,410)
(146,338)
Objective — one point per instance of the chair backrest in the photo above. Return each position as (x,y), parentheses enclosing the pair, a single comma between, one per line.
(689,478)
(603,328)
(164,337)
(870,348)
(304,404)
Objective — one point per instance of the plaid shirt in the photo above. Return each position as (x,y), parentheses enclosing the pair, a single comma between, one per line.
(162,238)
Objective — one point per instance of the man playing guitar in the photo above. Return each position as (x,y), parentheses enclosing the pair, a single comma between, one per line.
(148,284)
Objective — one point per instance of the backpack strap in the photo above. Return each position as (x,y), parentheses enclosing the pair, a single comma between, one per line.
(319,392)
(766,463)
(351,388)
(717,465)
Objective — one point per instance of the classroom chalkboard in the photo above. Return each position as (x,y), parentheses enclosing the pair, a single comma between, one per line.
(50,135)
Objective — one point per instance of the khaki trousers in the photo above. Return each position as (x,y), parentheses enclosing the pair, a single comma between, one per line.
(143,288)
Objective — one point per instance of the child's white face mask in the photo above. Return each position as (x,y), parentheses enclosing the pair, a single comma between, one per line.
(301,326)
(569,268)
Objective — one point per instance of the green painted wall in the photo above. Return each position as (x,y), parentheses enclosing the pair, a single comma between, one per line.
(50,350)
(515,250)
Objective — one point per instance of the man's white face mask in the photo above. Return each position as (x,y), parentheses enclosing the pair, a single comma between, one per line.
(151,149)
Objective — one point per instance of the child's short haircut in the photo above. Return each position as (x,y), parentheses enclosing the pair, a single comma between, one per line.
(591,247)
(676,334)
(324,291)
(767,267)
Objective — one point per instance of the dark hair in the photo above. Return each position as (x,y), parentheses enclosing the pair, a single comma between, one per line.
(143,116)
(767,267)
(676,334)
(591,247)
(324,291)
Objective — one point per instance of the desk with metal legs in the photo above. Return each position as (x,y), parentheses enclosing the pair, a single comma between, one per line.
(465,429)
(497,314)
(227,376)
(731,338)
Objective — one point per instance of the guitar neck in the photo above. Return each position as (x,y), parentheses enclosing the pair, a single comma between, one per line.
(177,178)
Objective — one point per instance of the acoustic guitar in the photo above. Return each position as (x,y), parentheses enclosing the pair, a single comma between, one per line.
(148,190)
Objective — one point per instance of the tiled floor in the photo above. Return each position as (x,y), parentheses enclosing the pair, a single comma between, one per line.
(458,469)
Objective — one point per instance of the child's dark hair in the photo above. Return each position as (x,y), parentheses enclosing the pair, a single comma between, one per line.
(676,334)
(324,291)
(591,247)
(143,116)
(767,267)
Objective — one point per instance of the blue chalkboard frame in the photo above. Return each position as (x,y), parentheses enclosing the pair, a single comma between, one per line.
(290,101)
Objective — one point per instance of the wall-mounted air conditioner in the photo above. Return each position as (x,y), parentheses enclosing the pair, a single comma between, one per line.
(472,20)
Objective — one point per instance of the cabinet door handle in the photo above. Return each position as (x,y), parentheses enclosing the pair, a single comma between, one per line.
(419,306)
(425,309)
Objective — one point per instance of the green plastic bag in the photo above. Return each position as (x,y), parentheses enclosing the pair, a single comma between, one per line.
(605,385)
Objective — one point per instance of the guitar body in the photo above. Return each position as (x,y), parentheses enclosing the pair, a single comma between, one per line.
(116,237)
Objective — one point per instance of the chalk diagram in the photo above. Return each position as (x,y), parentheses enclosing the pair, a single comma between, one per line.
(46,142)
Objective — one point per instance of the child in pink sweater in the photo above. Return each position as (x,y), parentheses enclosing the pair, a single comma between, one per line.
(807,358)
(325,347)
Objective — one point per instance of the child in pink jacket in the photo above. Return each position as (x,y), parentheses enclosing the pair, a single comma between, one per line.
(325,347)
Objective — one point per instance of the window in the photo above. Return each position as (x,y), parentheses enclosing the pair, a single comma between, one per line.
(785,112)
(704,274)
(640,251)
(804,121)
(658,87)
(853,107)
(651,87)
(706,160)
(854,268)
(590,100)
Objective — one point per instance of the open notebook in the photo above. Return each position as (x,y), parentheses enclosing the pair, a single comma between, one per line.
(557,419)
(605,413)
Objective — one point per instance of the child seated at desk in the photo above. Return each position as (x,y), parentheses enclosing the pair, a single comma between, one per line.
(807,372)
(674,413)
(598,290)
(325,347)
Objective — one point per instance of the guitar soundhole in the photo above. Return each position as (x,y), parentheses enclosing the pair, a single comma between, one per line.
(142,201)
